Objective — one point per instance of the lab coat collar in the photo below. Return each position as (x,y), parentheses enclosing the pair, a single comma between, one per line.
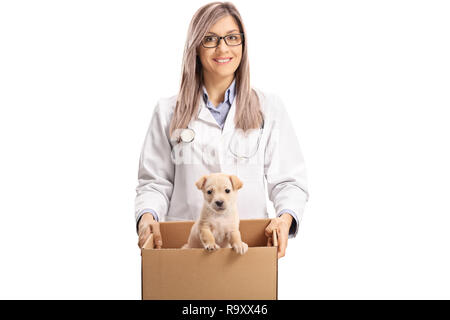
(205,115)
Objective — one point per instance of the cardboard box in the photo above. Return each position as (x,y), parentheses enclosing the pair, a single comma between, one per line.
(195,274)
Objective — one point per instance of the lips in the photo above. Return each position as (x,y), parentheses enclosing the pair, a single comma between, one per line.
(216,60)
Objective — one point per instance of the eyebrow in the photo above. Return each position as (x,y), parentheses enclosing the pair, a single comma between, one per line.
(227,32)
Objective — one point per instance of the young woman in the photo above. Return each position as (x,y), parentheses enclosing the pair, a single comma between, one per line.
(218,123)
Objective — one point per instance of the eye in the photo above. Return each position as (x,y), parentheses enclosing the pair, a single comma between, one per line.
(227,190)
(209,191)
(210,38)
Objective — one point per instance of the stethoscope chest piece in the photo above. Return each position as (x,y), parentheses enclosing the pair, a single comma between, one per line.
(187,135)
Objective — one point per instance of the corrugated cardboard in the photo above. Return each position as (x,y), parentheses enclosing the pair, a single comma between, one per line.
(192,274)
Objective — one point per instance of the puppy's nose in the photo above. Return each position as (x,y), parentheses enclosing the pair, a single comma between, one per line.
(219,203)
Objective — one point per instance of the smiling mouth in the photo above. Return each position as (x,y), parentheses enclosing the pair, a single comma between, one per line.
(224,61)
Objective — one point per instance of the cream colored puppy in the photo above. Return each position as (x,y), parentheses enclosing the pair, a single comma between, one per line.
(218,224)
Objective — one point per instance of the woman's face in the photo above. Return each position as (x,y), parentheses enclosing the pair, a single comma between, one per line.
(213,69)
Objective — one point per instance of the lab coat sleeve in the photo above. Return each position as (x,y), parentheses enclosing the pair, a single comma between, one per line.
(156,170)
(284,166)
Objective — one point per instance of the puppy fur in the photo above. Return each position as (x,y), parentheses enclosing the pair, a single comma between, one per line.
(218,224)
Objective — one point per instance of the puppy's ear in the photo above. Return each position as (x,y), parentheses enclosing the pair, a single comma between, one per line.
(200,183)
(236,182)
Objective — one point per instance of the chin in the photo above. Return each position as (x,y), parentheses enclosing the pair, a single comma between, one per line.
(224,74)
(218,211)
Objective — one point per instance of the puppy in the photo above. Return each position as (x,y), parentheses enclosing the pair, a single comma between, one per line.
(218,224)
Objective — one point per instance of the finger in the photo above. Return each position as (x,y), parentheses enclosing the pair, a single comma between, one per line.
(157,239)
(144,233)
(143,236)
(269,229)
(141,241)
(282,243)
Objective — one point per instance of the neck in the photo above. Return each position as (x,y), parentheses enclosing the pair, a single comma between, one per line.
(216,86)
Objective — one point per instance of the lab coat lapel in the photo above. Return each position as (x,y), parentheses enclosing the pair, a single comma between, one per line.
(229,121)
(205,115)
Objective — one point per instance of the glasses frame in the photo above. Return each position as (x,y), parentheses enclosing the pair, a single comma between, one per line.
(224,39)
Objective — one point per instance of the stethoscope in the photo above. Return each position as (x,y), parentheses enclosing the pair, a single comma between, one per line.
(188,136)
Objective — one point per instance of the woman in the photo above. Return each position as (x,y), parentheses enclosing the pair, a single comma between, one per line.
(218,123)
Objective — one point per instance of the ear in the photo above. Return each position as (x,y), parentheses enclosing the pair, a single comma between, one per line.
(200,183)
(236,182)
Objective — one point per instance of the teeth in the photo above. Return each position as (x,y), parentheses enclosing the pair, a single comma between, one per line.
(222,61)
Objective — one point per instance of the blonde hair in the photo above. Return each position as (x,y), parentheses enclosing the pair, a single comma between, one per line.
(248,109)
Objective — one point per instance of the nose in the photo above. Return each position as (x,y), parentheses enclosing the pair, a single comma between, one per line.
(222,45)
(219,203)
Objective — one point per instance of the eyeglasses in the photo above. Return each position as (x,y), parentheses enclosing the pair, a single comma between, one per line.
(235,39)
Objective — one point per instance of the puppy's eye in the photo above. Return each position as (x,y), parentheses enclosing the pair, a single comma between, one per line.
(227,190)
(209,191)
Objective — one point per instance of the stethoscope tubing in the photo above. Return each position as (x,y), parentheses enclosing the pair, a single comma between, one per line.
(188,136)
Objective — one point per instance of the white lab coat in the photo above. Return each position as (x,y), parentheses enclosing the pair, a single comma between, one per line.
(168,187)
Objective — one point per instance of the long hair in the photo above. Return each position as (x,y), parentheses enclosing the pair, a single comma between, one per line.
(248,109)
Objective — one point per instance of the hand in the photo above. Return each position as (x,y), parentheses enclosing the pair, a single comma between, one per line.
(282,226)
(148,225)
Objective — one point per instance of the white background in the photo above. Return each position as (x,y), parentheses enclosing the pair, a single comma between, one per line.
(366,83)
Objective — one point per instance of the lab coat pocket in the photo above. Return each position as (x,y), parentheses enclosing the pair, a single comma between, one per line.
(245,146)
(186,153)
(247,152)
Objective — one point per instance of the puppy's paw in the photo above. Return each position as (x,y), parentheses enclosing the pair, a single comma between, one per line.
(186,246)
(240,248)
(211,247)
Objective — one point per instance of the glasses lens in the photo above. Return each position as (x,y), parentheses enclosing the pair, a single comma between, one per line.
(234,39)
(210,41)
